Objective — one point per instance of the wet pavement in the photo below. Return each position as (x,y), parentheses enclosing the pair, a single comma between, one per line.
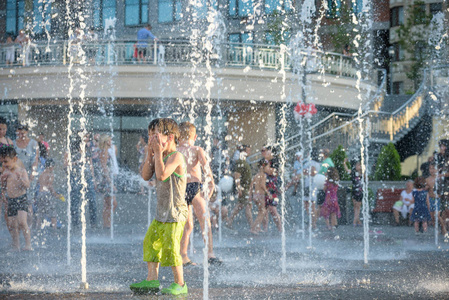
(401,265)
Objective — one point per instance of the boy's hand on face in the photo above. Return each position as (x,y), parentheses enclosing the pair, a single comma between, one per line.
(156,144)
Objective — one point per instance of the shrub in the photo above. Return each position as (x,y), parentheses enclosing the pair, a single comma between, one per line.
(338,157)
(388,165)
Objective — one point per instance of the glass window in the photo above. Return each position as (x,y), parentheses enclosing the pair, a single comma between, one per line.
(233,8)
(269,38)
(435,8)
(169,11)
(333,9)
(14,16)
(245,8)
(234,38)
(136,12)
(397,16)
(421,16)
(41,15)
(109,9)
(272,5)
(357,6)
(204,7)
(102,10)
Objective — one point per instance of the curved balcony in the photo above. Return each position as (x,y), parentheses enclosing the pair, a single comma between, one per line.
(245,71)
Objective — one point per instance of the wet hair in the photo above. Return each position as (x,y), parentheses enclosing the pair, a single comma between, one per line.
(49,163)
(22,127)
(102,142)
(420,183)
(3,121)
(315,154)
(144,135)
(8,151)
(187,130)
(42,150)
(165,126)
(75,143)
(332,174)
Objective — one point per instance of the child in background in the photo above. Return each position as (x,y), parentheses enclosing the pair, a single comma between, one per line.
(357,189)
(259,183)
(422,205)
(330,208)
(10,51)
(46,206)
(163,238)
(15,183)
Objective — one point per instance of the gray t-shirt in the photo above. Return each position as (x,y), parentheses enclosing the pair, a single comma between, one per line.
(28,154)
(170,194)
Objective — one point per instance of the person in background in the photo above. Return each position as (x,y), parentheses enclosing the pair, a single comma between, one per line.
(357,189)
(434,198)
(105,184)
(91,48)
(405,204)
(10,51)
(142,42)
(330,208)
(421,200)
(242,179)
(347,50)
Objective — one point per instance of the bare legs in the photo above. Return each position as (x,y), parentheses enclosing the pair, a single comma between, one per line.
(153,272)
(261,212)
(19,223)
(107,211)
(199,207)
(357,206)
(237,209)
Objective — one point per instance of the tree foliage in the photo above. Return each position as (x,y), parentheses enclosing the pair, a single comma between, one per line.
(338,157)
(388,165)
(413,36)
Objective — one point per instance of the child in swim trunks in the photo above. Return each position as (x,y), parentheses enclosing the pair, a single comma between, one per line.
(197,160)
(259,183)
(15,183)
(163,238)
(46,198)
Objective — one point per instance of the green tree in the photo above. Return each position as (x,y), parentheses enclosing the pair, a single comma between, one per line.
(278,28)
(388,165)
(338,157)
(413,35)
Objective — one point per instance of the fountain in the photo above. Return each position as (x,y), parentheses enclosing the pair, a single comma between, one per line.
(205,77)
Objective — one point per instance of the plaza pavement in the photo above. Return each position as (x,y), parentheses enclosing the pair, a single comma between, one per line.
(401,264)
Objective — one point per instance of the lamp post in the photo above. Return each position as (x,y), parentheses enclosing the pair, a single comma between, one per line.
(391,53)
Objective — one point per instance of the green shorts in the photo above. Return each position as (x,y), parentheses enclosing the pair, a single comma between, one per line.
(162,243)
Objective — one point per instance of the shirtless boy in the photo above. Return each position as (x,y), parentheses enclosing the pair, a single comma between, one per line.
(47,194)
(15,183)
(196,161)
(259,183)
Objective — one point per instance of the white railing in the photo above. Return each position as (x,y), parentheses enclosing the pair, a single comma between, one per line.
(170,52)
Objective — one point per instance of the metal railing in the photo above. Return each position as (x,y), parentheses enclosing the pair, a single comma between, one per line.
(170,52)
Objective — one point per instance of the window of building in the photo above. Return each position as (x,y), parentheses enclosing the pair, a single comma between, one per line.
(421,16)
(103,10)
(333,9)
(136,12)
(14,16)
(273,39)
(357,6)
(435,8)
(398,87)
(398,52)
(278,5)
(420,50)
(204,5)
(241,8)
(169,11)
(41,16)
(397,16)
